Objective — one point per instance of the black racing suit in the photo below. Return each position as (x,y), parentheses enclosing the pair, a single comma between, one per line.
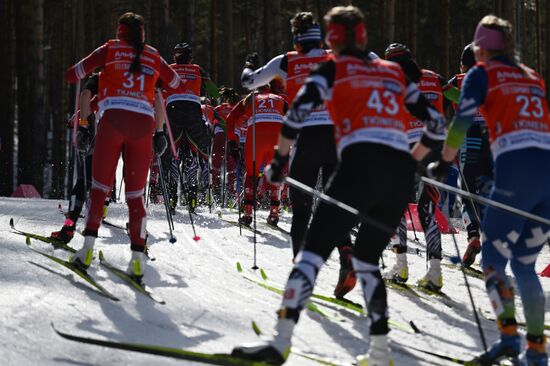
(192,140)
(374,178)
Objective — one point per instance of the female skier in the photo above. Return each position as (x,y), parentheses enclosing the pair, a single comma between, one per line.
(130,70)
(512,99)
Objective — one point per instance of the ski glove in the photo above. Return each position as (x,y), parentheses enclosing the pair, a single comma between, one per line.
(159,143)
(84,138)
(438,170)
(252,61)
(233,149)
(274,171)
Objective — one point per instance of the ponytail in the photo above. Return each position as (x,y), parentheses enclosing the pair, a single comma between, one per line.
(131,31)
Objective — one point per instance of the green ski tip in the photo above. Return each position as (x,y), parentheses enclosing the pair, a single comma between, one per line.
(28,240)
(256,329)
(239,267)
(101,256)
(263,274)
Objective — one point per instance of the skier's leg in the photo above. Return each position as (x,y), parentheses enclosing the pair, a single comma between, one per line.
(305,169)
(329,225)
(249,182)
(108,145)
(525,253)
(427,204)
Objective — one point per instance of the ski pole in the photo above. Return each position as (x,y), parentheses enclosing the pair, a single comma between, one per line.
(332,201)
(224,166)
(167,124)
(487,202)
(210,175)
(185,188)
(75,127)
(239,178)
(478,216)
(165,194)
(412,224)
(254,170)
(467,283)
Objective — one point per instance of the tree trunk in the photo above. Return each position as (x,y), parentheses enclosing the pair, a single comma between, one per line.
(213,40)
(229,71)
(445,36)
(189,23)
(412,24)
(30,75)
(276,29)
(7,96)
(390,18)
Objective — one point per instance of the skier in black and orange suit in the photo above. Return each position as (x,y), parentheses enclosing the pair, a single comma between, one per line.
(315,149)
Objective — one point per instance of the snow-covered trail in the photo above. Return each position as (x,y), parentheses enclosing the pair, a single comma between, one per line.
(209,305)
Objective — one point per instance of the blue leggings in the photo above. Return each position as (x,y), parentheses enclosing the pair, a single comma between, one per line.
(522,180)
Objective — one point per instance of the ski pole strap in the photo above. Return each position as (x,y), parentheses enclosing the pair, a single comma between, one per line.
(487,202)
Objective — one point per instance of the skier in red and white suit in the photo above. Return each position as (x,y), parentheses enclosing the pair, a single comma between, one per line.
(229,98)
(264,110)
(130,70)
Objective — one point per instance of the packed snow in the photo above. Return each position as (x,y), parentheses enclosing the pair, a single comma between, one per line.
(209,305)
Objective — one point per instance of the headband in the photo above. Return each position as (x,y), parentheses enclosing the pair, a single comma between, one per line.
(490,39)
(312,34)
(337,33)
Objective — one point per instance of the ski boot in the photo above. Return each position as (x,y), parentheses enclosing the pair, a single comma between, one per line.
(508,346)
(192,199)
(84,256)
(105,209)
(246,219)
(273,218)
(66,234)
(136,266)
(535,355)
(378,354)
(399,273)
(433,280)
(272,352)
(346,278)
(474,247)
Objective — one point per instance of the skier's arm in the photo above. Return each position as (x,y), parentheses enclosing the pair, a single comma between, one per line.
(474,91)
(208,86)
(276,67)
(312,94)
(235,115)
(434,122)
(87,65)
(169,77)
(159,112)
(90,89)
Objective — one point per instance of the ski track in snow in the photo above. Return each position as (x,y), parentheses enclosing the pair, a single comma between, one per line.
(209,306)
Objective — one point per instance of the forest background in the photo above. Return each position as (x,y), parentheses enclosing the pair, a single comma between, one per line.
(39,39)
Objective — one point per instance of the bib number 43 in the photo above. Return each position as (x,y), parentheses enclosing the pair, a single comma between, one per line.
(383,102)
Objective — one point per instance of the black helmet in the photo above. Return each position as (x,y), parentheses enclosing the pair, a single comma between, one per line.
(467,58)
(183,47)
(183,53)
(397,50)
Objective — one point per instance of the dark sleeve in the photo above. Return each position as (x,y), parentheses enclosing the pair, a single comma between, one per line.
(284,64)
(420,107)
(92,84)
(312,94)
